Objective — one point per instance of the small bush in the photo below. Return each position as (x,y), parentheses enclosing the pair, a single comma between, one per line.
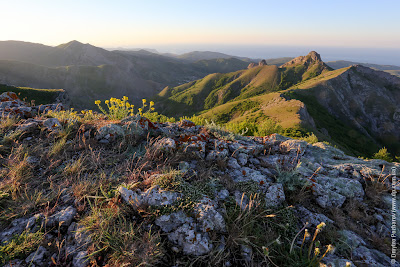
(311,138)
(155,117)
(383,154)
(20,246)
(290,179)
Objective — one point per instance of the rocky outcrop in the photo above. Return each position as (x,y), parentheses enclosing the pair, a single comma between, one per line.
(211,185)
(261,63)
(310,59)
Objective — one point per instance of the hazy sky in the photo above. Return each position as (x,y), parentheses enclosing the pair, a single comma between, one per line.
(191,24)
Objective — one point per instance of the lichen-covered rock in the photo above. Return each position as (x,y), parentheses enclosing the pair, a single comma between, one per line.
(132,128)
(154,196)
(312,218)
(38,257)
(10,96)
(193,242)
(352,239)
(247,253)
(63,218)
(274,196)
(223,194)
(28,126)
(370,257)
(186,123)
(172,221)
(80,259)
(327,198)
(18,225)
(215,155)
(110,132)
(295,147)
(242,158)
(249,148)
(167,145)
(233,164)
(53,124)
(347,187)
(196,148)
(207,215)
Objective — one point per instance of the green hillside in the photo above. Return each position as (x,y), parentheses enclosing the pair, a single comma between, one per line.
(40,96)
(217,89)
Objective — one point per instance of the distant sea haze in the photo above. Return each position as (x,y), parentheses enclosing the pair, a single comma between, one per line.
(390,56)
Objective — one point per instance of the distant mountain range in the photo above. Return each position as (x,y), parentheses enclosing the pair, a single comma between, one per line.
(87,72)
(354,107)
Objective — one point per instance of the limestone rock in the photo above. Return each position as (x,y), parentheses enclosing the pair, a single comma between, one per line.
(193,242)
(110,132)
(275,196)
(53,124)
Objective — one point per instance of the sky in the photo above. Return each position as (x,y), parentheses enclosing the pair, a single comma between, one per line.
(248,28)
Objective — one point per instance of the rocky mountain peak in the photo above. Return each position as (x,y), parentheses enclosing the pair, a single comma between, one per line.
(252,65)
(314,56)
(310,59)
(262,63)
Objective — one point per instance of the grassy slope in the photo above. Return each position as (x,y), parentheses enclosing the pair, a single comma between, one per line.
(286,113)
(217,89)
(257,108)
(41,96)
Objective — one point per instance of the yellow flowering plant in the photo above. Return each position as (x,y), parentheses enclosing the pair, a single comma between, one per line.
(118,109)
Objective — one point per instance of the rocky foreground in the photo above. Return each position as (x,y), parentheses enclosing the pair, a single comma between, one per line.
(85,191)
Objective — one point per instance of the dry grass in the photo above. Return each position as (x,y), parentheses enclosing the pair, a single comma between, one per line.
(7,122)
(116,237)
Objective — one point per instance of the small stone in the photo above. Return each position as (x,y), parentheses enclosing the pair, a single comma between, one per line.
(184,166)
(233,164)
(172,221)
(38,256)
(275,196)
(242,158)
(192,242)
(53,124)
(110,132)
(63,217)
(28,127)
(80,260)
(165,144)
(223,194)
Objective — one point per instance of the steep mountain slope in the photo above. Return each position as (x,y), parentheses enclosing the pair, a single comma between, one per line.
(362,98)
(216,89)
